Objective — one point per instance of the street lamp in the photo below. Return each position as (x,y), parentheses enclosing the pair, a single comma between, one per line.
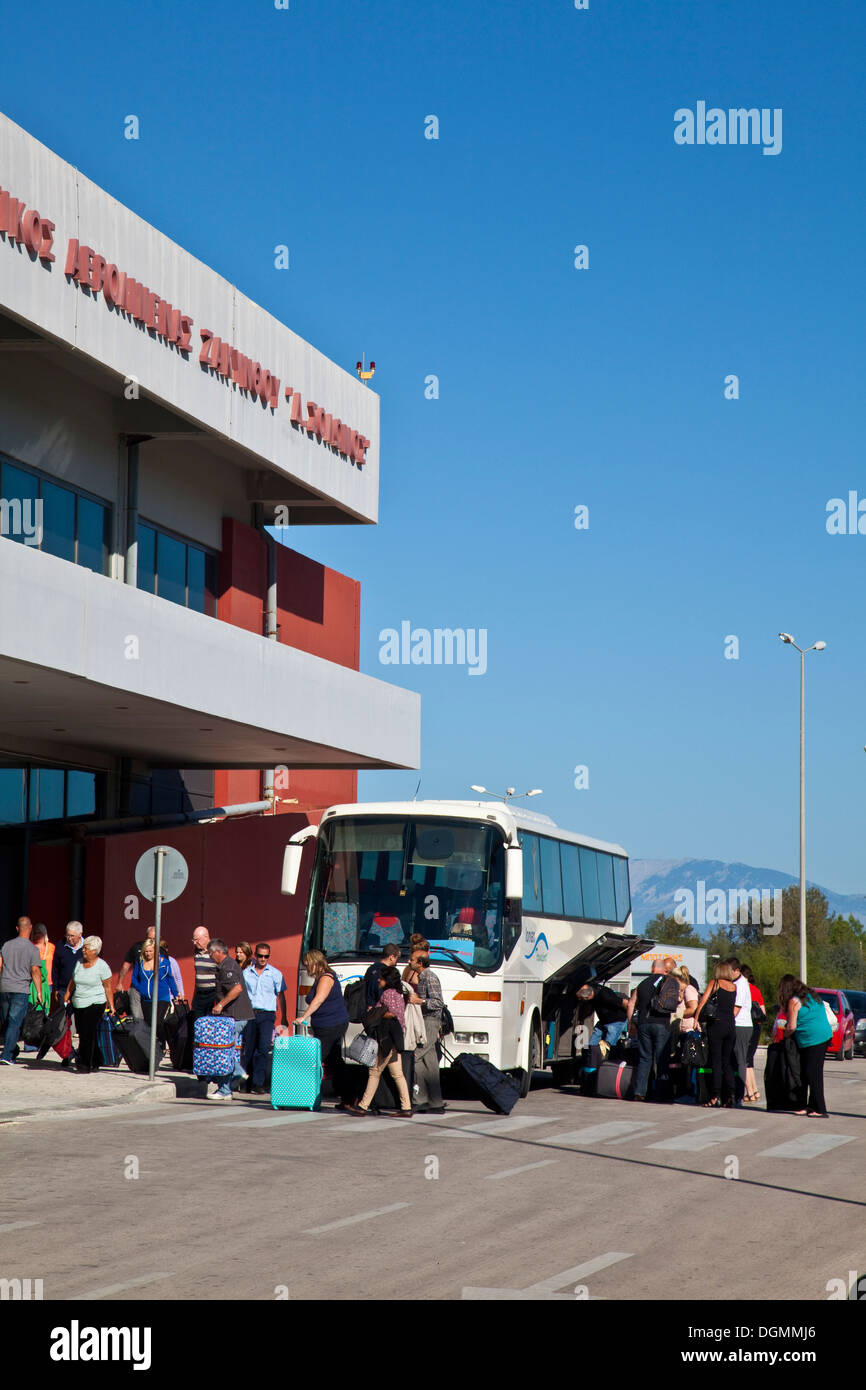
(509,792)
(817,647)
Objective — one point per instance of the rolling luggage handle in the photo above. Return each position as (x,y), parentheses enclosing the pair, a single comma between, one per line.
(303,1030)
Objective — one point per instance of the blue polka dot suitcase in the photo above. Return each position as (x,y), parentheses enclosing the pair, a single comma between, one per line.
(214,1048)
(296,1078)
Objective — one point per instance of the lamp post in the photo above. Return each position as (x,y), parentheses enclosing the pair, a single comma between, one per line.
(816,647)
(509,792)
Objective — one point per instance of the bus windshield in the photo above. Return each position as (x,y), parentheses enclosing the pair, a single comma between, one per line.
(377,880)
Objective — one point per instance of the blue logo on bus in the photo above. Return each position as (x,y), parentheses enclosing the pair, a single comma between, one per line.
(540,947)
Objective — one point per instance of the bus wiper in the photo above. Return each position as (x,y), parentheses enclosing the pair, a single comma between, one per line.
(443,951)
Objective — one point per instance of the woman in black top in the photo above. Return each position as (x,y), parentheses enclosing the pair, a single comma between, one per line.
(719,1022)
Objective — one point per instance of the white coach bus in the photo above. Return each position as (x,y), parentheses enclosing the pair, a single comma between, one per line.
(518,914)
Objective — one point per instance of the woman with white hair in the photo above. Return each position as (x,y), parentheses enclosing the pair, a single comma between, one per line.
(89,990)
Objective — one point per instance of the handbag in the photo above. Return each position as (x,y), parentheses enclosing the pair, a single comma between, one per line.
(373,1017)
(695,1051)
(758,1014)
(711,1008)
(364,1050)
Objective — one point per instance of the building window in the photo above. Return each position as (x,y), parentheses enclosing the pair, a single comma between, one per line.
(45,793)
(177,570)
(74,525)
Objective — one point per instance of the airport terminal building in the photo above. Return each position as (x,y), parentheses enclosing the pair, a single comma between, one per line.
(169,673)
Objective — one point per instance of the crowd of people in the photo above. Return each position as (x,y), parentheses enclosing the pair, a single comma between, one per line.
(676,1026)
(402,1013)
(708,1037)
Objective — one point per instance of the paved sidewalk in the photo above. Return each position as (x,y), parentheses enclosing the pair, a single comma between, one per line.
(34,1089)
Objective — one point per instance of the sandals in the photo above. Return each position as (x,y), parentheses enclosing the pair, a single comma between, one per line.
(713,1104)
(751,1096)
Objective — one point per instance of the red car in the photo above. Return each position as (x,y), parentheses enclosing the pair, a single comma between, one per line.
(841,1045)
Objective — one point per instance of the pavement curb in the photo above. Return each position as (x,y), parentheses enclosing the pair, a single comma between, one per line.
(150,1092)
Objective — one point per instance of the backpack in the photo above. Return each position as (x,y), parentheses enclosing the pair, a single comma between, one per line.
(446,1025)
(666,997)
(354,999)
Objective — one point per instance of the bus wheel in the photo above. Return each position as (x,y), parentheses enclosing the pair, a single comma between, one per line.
(536,1060)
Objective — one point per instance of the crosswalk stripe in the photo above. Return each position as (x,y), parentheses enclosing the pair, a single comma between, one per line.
(697,1139)
(110,1289)
(807,1146)
(502,1125)
(17,1226)
(294,1117)
(613,1131)
(201,1112)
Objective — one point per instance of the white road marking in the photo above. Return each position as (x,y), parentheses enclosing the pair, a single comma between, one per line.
(119,1288)
(547,1289)
(361,1125)
(504,1125)
(294,1117)
(578,1272)
(201,1112)
(353,1220)
(702,1138)
(599,1134)
(807,1146)
(17,1226)
(524,1168)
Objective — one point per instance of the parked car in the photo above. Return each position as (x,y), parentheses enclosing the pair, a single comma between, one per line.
(857,999)
(841,1045)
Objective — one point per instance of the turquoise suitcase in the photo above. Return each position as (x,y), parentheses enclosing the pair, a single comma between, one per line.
(296,1078)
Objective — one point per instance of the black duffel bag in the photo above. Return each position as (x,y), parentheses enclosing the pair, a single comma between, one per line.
(34,1025)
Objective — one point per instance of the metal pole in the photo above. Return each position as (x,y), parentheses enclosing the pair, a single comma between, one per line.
(803,816)
(154,998)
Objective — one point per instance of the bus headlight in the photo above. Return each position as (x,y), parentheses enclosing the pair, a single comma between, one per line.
(480,1037)
(463,1037)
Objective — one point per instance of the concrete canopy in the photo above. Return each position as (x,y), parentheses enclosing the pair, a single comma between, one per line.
(90,668)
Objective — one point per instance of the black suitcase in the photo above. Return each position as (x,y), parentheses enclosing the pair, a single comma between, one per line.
(782,1085)
(176,1029)
(494,1089)
(704,1082)
(615,1081)
(132,1040)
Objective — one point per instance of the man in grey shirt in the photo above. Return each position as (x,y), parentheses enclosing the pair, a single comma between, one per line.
(20,966)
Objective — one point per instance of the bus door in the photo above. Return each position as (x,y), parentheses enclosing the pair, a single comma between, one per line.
(604,958)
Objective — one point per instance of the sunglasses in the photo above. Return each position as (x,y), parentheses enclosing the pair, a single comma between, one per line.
(263,955)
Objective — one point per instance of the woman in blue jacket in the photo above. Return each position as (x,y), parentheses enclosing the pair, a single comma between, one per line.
(142,980)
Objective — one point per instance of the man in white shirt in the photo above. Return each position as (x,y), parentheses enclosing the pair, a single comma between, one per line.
(742,1026)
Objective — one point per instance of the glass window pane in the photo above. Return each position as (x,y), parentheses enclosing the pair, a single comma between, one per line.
(80,793)
(18,515)
(210,581)
(46,793)
(170,569)
(11,795)
(623,896)
(146,558)
(589,883)
(551,882)
(195,578)
(605,886)
(571,894)
(531,873)
(92,527)
(58,521)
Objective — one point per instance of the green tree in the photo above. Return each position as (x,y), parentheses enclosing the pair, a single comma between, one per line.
(669,932)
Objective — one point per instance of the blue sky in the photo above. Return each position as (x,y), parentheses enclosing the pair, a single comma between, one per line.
(558,387)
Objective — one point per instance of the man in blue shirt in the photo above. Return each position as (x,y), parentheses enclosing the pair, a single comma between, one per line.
(266,988)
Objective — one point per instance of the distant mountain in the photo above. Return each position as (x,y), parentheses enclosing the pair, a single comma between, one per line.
(654,883)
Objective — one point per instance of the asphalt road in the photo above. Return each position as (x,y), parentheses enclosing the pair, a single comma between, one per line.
(567,1194)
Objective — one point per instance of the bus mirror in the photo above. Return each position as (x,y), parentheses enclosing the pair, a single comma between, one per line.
(291,868)
(514,872)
